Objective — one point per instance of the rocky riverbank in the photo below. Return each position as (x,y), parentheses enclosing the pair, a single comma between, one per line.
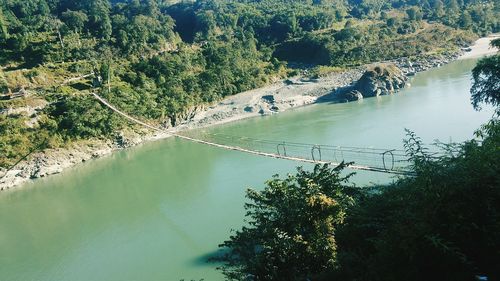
(278,97)
(422,63)
(383,79)
(388,77)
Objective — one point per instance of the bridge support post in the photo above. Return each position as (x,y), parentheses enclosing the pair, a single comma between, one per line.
(316,148)
(283,147)
(391,158)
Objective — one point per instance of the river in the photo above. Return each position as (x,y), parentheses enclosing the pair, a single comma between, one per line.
(155,212)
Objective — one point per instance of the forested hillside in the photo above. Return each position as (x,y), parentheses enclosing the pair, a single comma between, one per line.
(157,59)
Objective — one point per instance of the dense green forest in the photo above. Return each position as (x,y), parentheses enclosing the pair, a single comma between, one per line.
(156,59)
(440,223)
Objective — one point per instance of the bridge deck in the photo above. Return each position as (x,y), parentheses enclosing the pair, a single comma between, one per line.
(368,159)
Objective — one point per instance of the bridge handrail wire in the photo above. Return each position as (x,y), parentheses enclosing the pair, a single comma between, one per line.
(400,170)
(370,151)
(294,148)
(375,151)
(308,144)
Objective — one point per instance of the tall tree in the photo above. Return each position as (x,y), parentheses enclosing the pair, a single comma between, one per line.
(54,25)
(99,17)
(486,75)
(152,8)
(75,19)
(291,228)
(4,34)
(438,9)
(414,13)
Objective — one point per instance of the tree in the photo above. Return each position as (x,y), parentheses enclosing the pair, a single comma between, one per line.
(4,34)
(486,75)
(392,22)
(4,87)
(290,233)
(151,8)
(75,20)
(438,9)
(283,26)
(54,24)
(465,20)
(453,5)
(414,13)
(99,20)
(441,224)
(81,117)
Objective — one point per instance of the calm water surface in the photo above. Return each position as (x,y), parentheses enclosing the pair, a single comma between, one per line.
(157,211)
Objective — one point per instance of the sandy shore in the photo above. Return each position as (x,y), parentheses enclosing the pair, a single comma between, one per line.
(271,99)
(481,48)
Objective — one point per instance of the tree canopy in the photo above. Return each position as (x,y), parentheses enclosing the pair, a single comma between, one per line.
(291,227)
(486,75)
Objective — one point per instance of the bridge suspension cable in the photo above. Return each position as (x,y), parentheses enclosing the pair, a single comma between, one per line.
(369,159)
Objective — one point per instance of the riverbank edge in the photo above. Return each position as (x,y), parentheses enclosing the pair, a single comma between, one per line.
(271,99)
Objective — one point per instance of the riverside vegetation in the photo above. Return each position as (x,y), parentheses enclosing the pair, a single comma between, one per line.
(443,223)
(160,59)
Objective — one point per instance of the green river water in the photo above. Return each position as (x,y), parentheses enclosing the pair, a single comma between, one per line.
(157,211)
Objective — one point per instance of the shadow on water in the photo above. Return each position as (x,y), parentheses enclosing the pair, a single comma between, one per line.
(212,258)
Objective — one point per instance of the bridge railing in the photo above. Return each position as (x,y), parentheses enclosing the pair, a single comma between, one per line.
(372,159)
(391,160)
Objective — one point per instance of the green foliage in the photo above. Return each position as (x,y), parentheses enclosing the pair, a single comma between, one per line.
(291,227)
(4,34)
(82,117)
(176,81)
(18,139)
(480,16)
(357,45)
(269,21)
(75,20)
(414,14)
(443,224)
(99,19)
(3,83)
(486,75)
(15,141)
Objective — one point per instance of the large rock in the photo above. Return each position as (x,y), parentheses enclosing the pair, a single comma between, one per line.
(380,80)
(353,95)
(383,79)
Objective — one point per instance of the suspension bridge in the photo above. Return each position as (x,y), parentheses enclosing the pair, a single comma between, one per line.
(391,161)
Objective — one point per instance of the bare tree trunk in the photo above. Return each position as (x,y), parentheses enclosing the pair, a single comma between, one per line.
(60,38)
(109,74)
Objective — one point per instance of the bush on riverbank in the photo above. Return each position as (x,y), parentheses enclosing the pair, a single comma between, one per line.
(442,224)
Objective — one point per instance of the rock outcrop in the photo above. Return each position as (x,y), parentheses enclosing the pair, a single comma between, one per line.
(383,79)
